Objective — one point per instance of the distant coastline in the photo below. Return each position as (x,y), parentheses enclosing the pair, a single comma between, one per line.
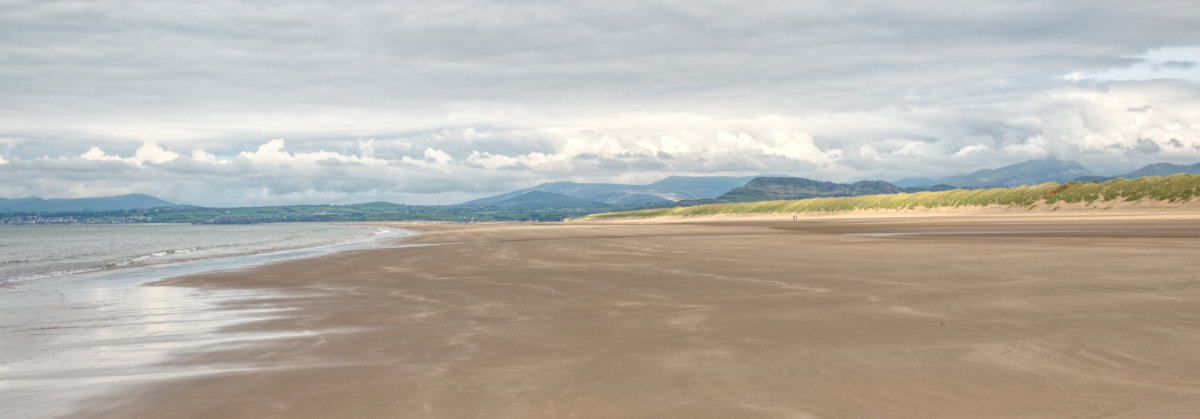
(558,201)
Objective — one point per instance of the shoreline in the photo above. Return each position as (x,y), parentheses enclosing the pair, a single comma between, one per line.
(1058,316)
(181,254)
(71,337)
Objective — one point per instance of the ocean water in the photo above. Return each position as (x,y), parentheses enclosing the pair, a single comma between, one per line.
(34,252)
(78,321)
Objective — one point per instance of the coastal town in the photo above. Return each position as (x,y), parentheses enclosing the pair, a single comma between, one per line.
(25,219)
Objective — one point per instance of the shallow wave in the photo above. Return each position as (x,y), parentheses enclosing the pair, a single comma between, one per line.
(44,275)
(247,242)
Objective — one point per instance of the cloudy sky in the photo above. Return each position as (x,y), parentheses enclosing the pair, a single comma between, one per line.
(263,102)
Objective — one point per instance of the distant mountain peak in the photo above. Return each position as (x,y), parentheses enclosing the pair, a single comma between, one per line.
(787,188)
(109,203)
(662,192)
(1029,172)
(1162,169)
(543,200)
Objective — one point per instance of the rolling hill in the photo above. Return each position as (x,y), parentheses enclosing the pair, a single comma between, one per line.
(112,203)
(784,188)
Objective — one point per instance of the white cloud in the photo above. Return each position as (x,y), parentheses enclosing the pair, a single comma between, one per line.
(269,152)
(1035,147)
(648,145)
(496,161)
(1116,120)
(206,157)
(800,147)
(273,153)
(96,154)
(366,148)
(797,146)
(973,148)
(673,146)
(867,151)
(433,155)
(147,153)
(152,153)
(912,149)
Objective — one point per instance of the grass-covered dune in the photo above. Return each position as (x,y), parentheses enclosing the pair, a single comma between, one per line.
(1176,188)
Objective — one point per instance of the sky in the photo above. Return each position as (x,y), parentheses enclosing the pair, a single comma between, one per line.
(232,103)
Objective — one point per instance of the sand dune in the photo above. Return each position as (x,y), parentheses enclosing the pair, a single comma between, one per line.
(1028,317)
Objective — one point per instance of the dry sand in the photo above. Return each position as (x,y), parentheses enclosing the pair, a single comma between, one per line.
(984,316)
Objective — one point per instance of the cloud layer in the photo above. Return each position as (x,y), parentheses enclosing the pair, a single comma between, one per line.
(246,103)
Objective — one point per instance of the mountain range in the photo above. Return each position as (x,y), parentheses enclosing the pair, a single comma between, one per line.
(1157,169)
(684,190)
(112,203)
(681,190)
(664,192)
(1032,172)
(541,199)
(784,188)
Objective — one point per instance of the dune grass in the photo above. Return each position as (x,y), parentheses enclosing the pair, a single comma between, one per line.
(1175,188)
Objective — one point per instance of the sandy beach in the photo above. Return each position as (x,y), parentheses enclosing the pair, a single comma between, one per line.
(948,316)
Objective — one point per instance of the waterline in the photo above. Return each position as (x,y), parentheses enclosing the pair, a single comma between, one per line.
(66,339)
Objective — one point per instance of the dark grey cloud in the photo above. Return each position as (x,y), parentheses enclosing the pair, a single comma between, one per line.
(248,55)
(1182,65)
(509,93)
(1145,146)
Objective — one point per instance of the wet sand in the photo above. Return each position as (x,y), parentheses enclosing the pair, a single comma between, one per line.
(65,339)
(986,316)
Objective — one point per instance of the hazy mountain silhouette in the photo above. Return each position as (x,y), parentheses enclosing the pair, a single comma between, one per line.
(1032,172)
(663,192)
(112,203)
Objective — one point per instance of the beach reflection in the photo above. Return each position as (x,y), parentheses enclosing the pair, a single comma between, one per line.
(89,336)
(68,339)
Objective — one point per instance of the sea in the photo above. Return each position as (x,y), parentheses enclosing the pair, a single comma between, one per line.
(37,252)
(80,319)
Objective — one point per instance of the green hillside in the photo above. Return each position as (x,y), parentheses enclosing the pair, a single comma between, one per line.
(777,188)
(1175,188)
